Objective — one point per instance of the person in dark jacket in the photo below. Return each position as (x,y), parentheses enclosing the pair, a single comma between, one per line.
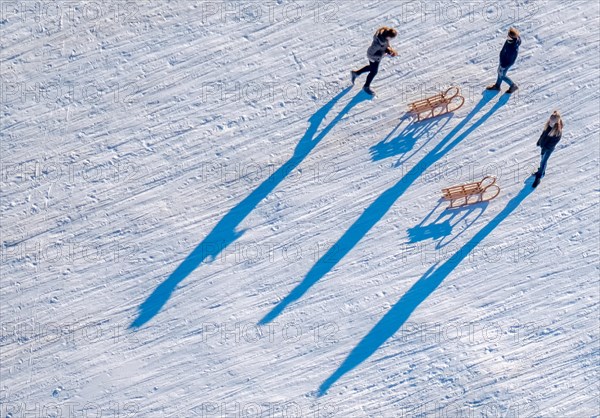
(547,142)
(508,56)
(378,49)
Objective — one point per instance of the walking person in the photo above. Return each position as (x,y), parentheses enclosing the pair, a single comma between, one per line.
(508,56)
(547,142)
(377,50)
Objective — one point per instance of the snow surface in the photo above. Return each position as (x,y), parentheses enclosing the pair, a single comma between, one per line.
(200,217)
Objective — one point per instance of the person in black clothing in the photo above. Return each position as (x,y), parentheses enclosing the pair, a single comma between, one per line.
(378,49)
(547,142)
(508,56)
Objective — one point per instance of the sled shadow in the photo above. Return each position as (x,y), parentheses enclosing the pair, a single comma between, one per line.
(445,223)
(374,212)
(226,230)
(412,132)
(425,286)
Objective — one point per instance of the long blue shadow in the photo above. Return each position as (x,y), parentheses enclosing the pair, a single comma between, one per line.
(225,231)
(381,205)
(401,311)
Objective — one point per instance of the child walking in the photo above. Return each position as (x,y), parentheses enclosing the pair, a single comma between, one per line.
(547,142)
(377,50)
(508,56)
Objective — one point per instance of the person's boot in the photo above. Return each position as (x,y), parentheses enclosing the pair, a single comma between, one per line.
(353,75)
(512,89)
(537,180)
(368,90)
(494,86)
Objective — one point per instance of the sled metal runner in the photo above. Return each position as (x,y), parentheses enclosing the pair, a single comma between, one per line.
(437,105)
(470,193)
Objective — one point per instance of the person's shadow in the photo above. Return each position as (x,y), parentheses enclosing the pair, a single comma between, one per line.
(445,223)
(225,231)
(425,286)
(376,210)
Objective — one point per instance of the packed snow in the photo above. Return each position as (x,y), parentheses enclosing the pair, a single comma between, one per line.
(201,216)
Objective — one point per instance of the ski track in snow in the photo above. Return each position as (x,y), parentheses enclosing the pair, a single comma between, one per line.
(122,151)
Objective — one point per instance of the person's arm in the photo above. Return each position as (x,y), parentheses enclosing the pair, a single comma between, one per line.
(389,50)
(542,136)
(555,140)
(503,51)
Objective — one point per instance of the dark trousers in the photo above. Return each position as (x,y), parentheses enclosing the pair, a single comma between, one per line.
(545,155)
(503,77)
(372,68)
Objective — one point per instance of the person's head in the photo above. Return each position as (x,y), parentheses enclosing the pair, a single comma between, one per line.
(513,34)
(555,122)
(387,33)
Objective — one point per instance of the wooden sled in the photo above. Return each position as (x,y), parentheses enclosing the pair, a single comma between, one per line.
(467,194)
(437,105)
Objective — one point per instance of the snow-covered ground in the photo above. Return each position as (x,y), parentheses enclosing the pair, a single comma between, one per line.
(200,216)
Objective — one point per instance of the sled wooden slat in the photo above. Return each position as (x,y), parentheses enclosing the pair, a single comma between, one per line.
(437,105)
(467,194)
